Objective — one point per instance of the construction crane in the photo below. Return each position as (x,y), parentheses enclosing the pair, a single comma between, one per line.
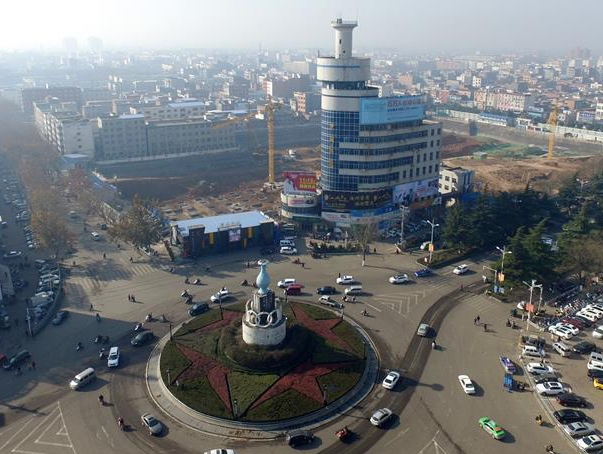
(269,113)
(552,122)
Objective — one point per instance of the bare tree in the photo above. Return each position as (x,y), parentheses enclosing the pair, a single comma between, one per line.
(138,226)
(364,234)
(48,220)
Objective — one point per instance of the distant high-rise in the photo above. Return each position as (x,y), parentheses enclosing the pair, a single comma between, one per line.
(95,45)
(70,45)
(376,152)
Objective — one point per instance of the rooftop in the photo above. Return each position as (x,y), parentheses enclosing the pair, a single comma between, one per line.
(223,222)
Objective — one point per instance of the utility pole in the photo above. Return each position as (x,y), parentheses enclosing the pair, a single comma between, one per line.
(433,226)
(532,286)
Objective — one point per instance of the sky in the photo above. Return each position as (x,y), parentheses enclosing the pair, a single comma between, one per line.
(409,26)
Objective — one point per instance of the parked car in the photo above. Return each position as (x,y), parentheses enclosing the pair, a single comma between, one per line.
(299,437)
(539,369)
(578,429)
(467,384)
(286,282)
(12,255)
(598,383)
(584,347)
(197,309)
(590,443)
(288,250)
(326,300)
(598,332)
(567,416)
(571,400)
(220,296)
(550,388)
(17,360)
(59,317)
(381,416)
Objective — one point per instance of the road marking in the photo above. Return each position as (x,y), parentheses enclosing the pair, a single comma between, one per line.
(108,436)
(16,433)
(370,305)
(399,435)
(15,449)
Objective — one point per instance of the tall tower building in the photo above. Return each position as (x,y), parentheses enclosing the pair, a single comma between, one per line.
(376,152)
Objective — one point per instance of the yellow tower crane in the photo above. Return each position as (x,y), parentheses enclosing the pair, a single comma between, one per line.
(552,122)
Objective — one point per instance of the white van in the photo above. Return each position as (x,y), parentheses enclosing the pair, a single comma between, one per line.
(531,350)
(562,349)
(595,361)
(353,290)
(82,379)
(95,236)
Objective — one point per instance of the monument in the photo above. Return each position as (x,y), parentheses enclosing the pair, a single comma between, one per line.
(263,322)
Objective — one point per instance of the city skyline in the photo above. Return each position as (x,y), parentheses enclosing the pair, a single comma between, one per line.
(434,26)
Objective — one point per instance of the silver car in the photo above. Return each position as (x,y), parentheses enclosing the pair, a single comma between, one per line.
(149,421)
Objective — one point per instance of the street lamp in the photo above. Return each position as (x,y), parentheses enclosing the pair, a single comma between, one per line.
(504,252)
(167,371)
(532,286)
(171,337)
(433,226)
(235,408)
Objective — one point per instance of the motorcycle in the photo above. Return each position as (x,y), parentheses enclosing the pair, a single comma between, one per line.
(101,353)
(344,434)
(186,281)
(78,346)
(185,294)
(98,339)
(434,346)
(138,327)
(197,282)
(244,283)
(148,318)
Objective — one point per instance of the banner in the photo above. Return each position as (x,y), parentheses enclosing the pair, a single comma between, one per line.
(343,200)
(409,193)
(299,182)
(391,110)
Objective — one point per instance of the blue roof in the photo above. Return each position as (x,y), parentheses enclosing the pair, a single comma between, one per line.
(230,221)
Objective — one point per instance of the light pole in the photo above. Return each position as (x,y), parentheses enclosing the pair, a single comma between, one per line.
(504,252)
(235,408)
(582,182)
(532,286)
(433,226)
(171,337)
(403,210)
(167,371)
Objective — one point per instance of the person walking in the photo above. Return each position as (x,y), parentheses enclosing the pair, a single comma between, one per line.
(133,299)
(91,308)
(131,260)
(33,365)
(477,319)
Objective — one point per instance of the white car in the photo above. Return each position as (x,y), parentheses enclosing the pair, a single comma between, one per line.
(286,282)
(288,250)
(390,381)
(550,388)
(578,429)
(561,332)
(399,279)
(220,295)
(381,416)
(590,443)
(591,316)
(345,280)
(539,369)
(461,269)
(113,359)
(467,384)
(571,328)
(595,309)
(149,421)
(598,332)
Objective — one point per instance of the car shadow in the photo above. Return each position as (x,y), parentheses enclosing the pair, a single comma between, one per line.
(316,442)
(509,438)
(479,391)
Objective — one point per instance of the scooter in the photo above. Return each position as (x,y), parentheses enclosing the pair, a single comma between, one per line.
(185,294)
(138,327)
(78,346)
(148,318)
(197,282)
(244,283)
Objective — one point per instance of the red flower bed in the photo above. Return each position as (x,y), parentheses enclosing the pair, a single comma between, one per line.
(227,317)
(302,379)
(200,366)
(321,327)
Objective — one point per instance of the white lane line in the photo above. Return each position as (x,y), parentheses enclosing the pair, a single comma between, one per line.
(16,448)
(370,305)
(37,440)
(16,433)
(108,437)
(399,435)
(65,426)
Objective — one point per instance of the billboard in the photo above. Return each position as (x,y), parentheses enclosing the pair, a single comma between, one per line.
(408,194)
(343,200)
(234,235)
(391,110)
(300,200)
(299,182)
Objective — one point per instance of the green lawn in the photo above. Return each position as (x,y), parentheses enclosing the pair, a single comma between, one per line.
(284,406)
(350,336)
(325,352)
(236,307)
(246,388)
(199,322)
(172,359)
(205,343)
(199,395)
(342,380)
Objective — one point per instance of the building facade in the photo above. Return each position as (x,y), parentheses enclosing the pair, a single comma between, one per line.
(456,180)
(171,111)
(29,96)
(65,130)
(376,153)
(509,102)
(121,138)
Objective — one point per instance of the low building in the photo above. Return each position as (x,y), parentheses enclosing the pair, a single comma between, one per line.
(65,130)
(172,111)
(221,234)
(456,180)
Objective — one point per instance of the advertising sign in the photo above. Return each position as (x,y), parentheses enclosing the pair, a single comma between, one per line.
(299,182)
(409,193)
(338,218)
(391,110)
(234,235)
(299,200)
(342,200)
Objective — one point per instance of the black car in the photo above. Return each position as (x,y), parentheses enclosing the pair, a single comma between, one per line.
(571,400)
(584,347)
(299,437)
(594,373)
(567,416)
(141,338)
(326,290)
(542,379)
(18,359)
(197,309)
(58,319)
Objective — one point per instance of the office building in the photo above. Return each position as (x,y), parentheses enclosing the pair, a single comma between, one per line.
(376,153)
(121,138)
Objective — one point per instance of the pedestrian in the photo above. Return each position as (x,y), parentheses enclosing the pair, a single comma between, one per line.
(477,319)
(118,246)
(18,370)
(91,308)
(27,333)
(17,321)
(397,251)
(33,365)
(104,255)
(129,297)
(374,250)
(339,274)
(133,299)
(131,260)
(303,265)
(248,264)
(461,287)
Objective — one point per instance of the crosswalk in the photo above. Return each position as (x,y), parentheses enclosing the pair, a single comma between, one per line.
(93,279)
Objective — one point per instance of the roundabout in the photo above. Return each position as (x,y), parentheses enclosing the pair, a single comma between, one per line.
(263,365)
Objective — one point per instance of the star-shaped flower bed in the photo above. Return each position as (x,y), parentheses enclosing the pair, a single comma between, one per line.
(321,327)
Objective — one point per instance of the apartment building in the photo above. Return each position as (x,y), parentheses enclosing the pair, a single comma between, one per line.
(29,96)
(121,138)
(67,131)
(456,180)
(508,102)
(171,111)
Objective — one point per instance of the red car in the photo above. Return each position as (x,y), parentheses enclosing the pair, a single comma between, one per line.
(574,322)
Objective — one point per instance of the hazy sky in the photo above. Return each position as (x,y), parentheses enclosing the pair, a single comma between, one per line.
(408,25)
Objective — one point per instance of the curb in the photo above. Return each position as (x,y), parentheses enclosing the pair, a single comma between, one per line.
(162,397)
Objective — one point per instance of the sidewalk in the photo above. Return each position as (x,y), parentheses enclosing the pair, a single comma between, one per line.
(175,409)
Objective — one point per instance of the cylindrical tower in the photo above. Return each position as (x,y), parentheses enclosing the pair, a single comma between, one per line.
(343,37)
